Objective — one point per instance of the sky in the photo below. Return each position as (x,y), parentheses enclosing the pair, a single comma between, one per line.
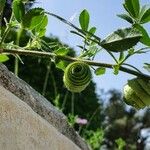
(103,17)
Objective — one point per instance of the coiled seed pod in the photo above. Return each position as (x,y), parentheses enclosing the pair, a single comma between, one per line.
(77,76)
(137,93)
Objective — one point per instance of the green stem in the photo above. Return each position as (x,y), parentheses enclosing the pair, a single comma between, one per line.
(5,34)
(65,100)
(91,118)
(96,40)
(72,103)
(72,59)
(46,78)
(54,84)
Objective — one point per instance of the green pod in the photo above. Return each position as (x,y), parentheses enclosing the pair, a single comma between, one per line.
(130,98)
(136,93)
(77,76)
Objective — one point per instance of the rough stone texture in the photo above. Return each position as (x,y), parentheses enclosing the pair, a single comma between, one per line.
(40,105)
(23,129)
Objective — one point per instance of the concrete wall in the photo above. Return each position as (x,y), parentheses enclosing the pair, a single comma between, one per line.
(23,129)
(28,119)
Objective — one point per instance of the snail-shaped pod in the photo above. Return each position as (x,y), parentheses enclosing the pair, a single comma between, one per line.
(137,93)
(77,76)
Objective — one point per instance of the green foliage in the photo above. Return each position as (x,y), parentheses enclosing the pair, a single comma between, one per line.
(18,10)
(121,40)
(84,20)
(94,138)
(120,143)
(132,7)
(100,71)
(3,58)
(34,19)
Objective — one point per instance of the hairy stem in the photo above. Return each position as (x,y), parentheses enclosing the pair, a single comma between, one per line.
(71,59)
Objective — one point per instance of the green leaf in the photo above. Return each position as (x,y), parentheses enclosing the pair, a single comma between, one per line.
(62,51)
(92,30)
(100,71)
(121,40)
(61,64)
(18,10)
(84,20)
(41,28)
(120,143)
(146,17)
(145,37)
(126,17)
(3,58)
(132,7)
(33,18)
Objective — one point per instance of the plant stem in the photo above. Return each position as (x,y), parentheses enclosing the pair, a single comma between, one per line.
(71,59)
(72,103)
(46,78)
(16,68)
(91,118)
(64,101)
(5,34)
(96,38)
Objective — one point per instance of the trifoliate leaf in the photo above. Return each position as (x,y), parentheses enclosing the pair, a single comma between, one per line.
(121,40)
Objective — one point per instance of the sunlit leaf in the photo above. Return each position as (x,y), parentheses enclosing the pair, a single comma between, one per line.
(132,7)
(61,64)
(41,28)
(126,17)
(84,20)
(3,58)
(33,18)
(145,37)
(121,40)
(146,16)
(62,51)
(92,30)
(18,10)
(100,71)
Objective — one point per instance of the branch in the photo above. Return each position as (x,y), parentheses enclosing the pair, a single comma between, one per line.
(71,59)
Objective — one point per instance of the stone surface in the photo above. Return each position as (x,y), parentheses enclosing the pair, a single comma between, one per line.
(23,129)
(40,105)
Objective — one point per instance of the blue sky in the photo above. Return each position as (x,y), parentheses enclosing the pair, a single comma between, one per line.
(103,16)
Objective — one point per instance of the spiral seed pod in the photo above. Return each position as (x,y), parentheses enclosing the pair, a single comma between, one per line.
(77,76)
(137,93)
